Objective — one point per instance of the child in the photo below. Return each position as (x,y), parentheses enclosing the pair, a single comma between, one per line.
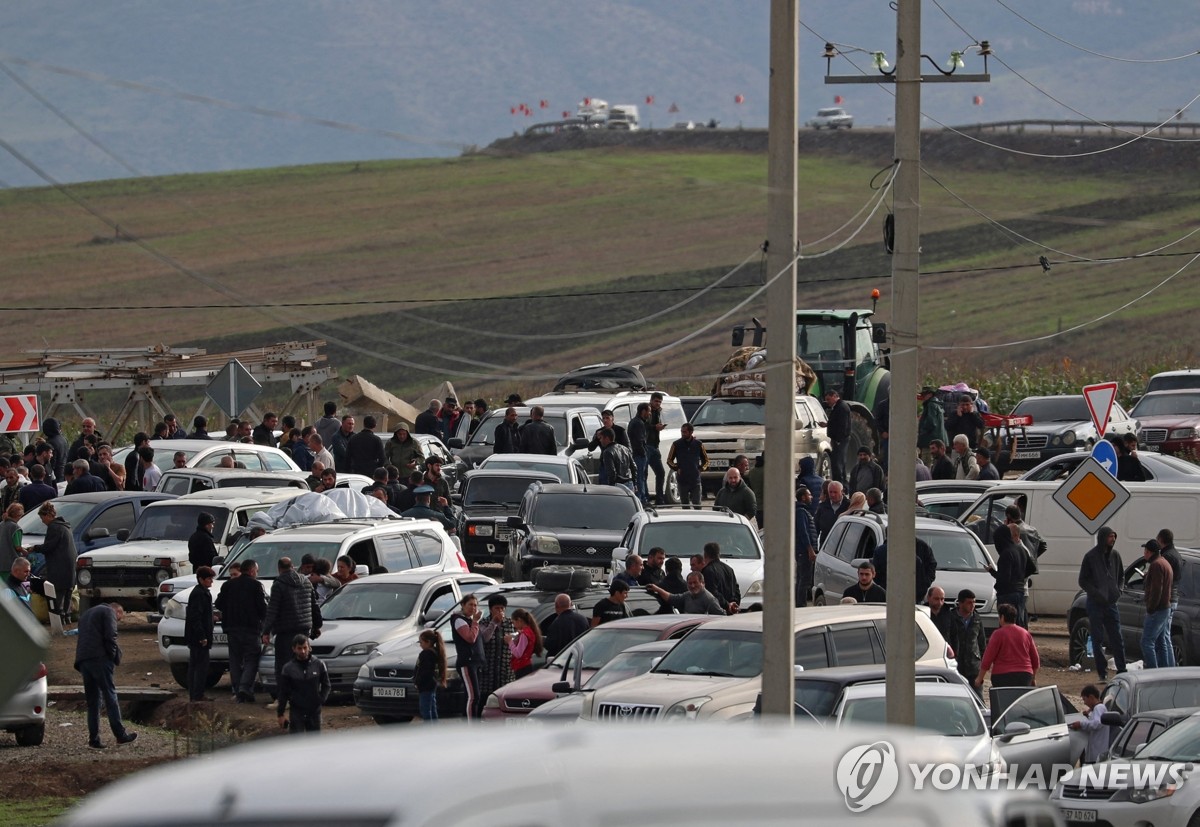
(431,673)
(305,683)
(1098,733)
(525,644)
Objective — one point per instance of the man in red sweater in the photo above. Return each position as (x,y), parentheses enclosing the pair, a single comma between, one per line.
(1011,654)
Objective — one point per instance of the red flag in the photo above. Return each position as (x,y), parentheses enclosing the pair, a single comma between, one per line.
(739,99)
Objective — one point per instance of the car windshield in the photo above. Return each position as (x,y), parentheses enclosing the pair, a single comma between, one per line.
(1169,694)
(679,539)
(176,521)
(1176,464)
(730,412)
(731,653)
(1054,409)
(368,599)
(949,716)
(1168,404)
(820,342)
(72,512)
(600,645)
(267,552)
(583,511)
(495,491)
(162,457)
(558,469)
(623,667)
(955,550)
(1179,743)
(486,431)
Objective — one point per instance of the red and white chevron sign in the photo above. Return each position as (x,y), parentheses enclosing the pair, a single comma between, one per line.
(19,413)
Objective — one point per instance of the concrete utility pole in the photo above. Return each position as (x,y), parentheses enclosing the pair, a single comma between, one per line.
(779,474)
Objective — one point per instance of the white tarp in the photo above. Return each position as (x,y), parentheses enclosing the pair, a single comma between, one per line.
(304,509)
(354,504)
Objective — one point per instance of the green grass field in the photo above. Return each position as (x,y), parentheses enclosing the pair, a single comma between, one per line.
(32,812)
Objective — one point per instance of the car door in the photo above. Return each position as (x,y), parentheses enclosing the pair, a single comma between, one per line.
(1132,608)
(111,519)
(806,444)
(393,552)
(855,644)
(251,460)
(842,575)
(812,650)
(1045,744)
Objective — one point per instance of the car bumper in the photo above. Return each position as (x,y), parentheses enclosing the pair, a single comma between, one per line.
(600,563)
(1024,460)
(173,649)
(26,708)
(343,672)
(486,549)
(1175,809)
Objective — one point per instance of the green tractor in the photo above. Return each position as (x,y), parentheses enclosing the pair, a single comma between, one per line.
(843,349)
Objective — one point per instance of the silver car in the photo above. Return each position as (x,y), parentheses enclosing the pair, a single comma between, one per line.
(25,713)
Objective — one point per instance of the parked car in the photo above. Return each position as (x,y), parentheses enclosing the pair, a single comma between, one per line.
(1157,467)
(1129,693)
(1061,425)
(1174,380)
(385,688)
(818,692)
(573,429)
(586,654)
(488,496)
(634,661)
(568,525)
(24,714)
(950,498)
(1169,422)
(682,532)
(566,469)
(1185,622)
(1141,728)
(453,466)
(95,518)
(831,117)
(208,453)
(181,481)
(368,612)
(962,560)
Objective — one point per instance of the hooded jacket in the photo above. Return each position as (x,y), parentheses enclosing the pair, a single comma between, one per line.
(808,477)
(293,605)
(1101,570)
(54,437)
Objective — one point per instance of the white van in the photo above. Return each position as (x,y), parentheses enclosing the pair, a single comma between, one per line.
(1153,506)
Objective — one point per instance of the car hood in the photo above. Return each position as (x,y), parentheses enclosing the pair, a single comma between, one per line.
(1169,421)
(340,633)
(657,688)
(403,649)
(139,551)
(708,433)
(560,709)
(537,686)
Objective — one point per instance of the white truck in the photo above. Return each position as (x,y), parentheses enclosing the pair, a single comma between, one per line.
(623,116)
(593,112)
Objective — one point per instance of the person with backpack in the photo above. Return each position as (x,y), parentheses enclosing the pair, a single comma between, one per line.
(431,673)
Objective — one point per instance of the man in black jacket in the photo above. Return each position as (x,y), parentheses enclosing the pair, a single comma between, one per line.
(198,633)
(568,624)
(97,654)
(941,467)
(243,606)
(829,510)
(291,611)
(537,435)
(366,450)
(507,436)
(264,432)
(1011,565)
(1100,576)
(838,431)
(720,580)
(202,548)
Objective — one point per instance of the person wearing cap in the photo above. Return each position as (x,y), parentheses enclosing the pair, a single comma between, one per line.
(513,400)
(967,637)
(866,473)
(202,548)
(838,431)
(1166,542)
(1156,628)
(932,424)
(1100,576)
(983,458)
(450,415)
(423,511)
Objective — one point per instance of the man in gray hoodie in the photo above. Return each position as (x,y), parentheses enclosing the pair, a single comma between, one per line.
(1100,576)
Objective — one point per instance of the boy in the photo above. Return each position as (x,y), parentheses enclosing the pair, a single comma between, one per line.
(1098,733)
(305,683)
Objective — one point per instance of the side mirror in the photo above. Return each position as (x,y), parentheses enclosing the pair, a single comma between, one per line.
(1012,730)
(431,616)
(123,534)
(455,442)
(456,499)
(797,670)
(655,661)
(1112,719)
(96,534)
(619,554)
(361,571)
(515,522)
(561,688)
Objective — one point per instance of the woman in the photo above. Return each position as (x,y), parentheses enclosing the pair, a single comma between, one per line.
(858,502)
(10,538)
(526,643)
(402,451)
(345,570)
(59,551)
(468,649)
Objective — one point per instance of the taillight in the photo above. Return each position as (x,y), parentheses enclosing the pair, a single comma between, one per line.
(83,562)
(40,673)
(163,562)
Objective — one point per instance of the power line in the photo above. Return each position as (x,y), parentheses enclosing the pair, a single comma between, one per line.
(1084,49)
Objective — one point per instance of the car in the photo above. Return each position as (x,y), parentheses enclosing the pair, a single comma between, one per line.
(1157,468)
(208,453)
(1169,422)
(962,560)
(488,496)
(831,117)
(682,532)
(946,504)
(634,661)
(586,654)
(385,688)
(573,429)
(818,692)
(1061,425)
(381,545)
(1129,693)
(1185,622)
(559,524)
(453,466)
(181,481)
(1138,791)
(24,714)
(95,518)
(369,611)
(1139,729)
(715,673)
(567,469)
(1174,380)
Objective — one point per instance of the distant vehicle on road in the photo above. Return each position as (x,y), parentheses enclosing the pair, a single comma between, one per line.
(833,117)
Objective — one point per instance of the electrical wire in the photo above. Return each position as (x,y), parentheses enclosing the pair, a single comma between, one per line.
(881,193)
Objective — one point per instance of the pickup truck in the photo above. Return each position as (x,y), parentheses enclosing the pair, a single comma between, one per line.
(833,117)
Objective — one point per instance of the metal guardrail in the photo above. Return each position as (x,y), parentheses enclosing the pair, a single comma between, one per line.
(1085,127)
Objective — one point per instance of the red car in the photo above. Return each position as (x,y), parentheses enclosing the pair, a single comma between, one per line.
(597,646)
(1169,421)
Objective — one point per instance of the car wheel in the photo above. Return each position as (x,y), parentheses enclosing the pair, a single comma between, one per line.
(31,736)
(179,673)
(1077,642)
(824,466)
(819,599)
(1180,649)
(215,671)
(671,489)
(384,720)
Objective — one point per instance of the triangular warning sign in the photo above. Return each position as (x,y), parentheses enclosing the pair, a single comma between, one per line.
(1100,400)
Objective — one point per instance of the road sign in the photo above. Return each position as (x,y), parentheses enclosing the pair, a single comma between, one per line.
(1091,495)
(19,413)
(1106,455)
(1100,401)
(233,389)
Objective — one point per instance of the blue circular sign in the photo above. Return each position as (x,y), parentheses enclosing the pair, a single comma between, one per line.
(1105,453)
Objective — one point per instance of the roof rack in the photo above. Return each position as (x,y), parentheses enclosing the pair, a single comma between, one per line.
(719,509)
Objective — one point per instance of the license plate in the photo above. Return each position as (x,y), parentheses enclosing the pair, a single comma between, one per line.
(387,691)
(1079,815)
(714,464)
(219,637)
(1027,455)
(598,573)
(1154,448)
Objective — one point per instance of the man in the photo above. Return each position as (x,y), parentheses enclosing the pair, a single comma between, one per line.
(199,428)
(365,449)
(429,421)
(46,457)
(537,435)
(965,466)
(866,590)
(697,600)
(983,459)
(174,431)
(756,479)
(654,462)
(292,610)
(507,436)
(1011,654)
(652,570)
(632,573)
(441,488)
(1097,731)
(328,480)
(87,433)
(406,497)
(1166,542)
(22,582)
(179,460)
(875,502)
(202,546)
(450,416)
(424,511)
(340,447)
(513,400)
(1011,566)
(968,639)
(133,463)
(304,683)
(867,473)
(616,461)
(150,473)
(320,454)
(838,431)
(804,546)
(922,472)
(926,566)
(829,510)
(297,446)
(720,579)
(264,432)
(809,478)
(1156,633)
(243,607)
(612,607)
(620,436)
(83,481)
(37,491)
(10,493)
(637,431)
(931,425)
(883,417)
(1100,576)
(56,444)
(497,657)
(736,496)
(477,417)
(245,432)
(329,424)
(568,624)
(97,654)
(941,614)
(1129,467)
(965,420)
(198,633)
(687,458)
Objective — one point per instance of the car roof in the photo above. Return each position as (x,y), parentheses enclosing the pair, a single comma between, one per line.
(653,621)
(548,459)
(242,496)
(685,514)
(925,521)
(1173,392)
(1170,673)
(879,690)
(847,675)
(509,474)
(585,488)
(325,531)
(229,472)
(806,617)
(419,577)
(109,496)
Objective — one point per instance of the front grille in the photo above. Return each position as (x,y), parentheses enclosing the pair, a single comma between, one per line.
(119,577)
(524,703)
(599,551)
(1154,435)
(503,534)
(1087,793)
(1033,442)
(322,650)
(392,672)
(628,712)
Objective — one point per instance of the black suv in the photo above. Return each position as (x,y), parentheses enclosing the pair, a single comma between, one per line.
(564,524)
(488,497)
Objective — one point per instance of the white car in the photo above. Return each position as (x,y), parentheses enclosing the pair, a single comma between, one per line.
(24,714)
(208,453)
(832,117)
(634,661)
(567,469)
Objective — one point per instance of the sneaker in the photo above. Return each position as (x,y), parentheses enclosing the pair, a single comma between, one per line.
(127,738)
(96,744)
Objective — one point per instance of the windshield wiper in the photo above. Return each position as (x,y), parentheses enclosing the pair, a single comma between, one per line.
(486,502)
(667,672)
(360,617)
(712,673)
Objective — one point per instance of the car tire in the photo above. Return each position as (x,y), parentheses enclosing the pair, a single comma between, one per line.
(1180,646)
(32,735)
(819,599)
(179,673)
(215,671)
(1077,641)
(671,489)
(384,720)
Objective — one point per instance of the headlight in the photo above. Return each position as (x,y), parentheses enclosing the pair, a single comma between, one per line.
(84,577)
(754,446)
(480,530)
(364,648)
(755,588)
(1152,794)
(492,702)
(175,610)
(1068,438)
(686,710)
(162,575)
(544,544)
(1182,433)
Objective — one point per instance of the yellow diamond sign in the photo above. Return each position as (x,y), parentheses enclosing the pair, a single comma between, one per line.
(1091,495)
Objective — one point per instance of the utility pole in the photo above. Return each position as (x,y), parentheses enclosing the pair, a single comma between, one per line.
(779,481)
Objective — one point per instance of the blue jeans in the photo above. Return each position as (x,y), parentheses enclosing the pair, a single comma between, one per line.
(1017,601)
(98,686)
(655,463)
(1105,624)
(1170,648)
(1156,639)
(640,464)
(427,705)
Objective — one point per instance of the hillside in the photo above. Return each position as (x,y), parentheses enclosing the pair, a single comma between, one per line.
(505,268)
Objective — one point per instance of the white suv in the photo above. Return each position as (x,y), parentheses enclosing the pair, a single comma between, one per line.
(833,117)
